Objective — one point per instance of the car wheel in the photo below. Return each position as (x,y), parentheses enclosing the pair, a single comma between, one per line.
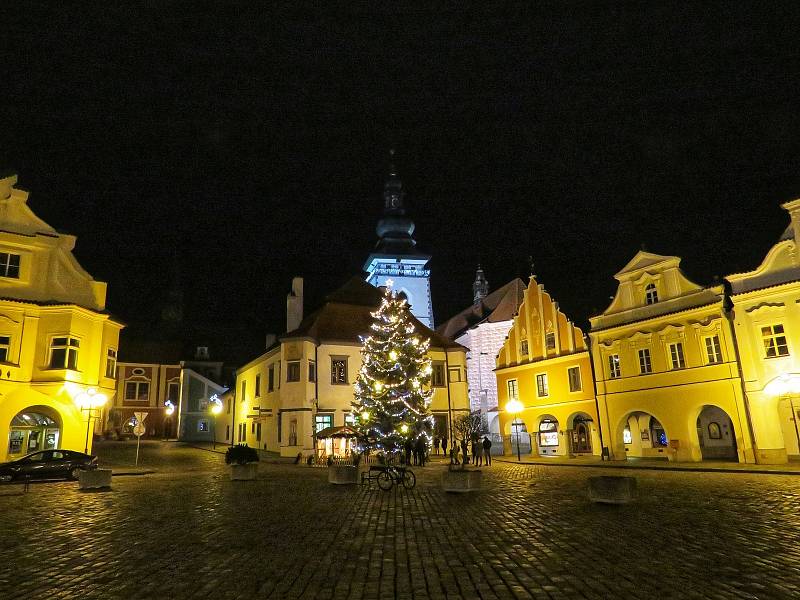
(6,478)
(74,473)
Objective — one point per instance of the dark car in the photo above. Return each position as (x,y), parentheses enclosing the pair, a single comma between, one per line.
(48,464)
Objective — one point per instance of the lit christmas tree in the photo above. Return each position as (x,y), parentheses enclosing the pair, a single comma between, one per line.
(392,393)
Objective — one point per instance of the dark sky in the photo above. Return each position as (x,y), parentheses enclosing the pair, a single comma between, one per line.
(252,142)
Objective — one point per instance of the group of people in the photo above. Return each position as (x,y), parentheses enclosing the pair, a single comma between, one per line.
(459,451)
(418,452)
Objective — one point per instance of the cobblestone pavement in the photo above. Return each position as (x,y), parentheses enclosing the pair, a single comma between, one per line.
(530,533)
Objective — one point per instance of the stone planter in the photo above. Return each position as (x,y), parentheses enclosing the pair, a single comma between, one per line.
(94,479)
(343,474)
(461,480)
(245,472)
(612,489)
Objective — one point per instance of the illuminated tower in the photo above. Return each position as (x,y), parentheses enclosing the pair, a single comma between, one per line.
(396,257)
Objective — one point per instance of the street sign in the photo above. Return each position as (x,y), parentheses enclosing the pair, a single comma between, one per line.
(140,417)
(139,429)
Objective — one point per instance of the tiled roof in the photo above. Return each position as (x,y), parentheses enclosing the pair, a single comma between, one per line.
(501,305)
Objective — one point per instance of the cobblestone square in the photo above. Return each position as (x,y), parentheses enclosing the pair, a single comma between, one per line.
(186,531)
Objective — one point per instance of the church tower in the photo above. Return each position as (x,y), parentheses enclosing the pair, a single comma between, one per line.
(396,257)
(480,287)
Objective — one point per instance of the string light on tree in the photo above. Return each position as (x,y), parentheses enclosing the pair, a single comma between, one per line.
(392,394)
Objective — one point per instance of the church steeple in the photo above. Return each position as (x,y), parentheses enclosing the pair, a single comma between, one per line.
(480,287)
(396,256)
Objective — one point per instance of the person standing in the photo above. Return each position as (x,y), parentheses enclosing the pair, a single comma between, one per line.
(436,445)
(444,448)
(477,454)
(465,451)
(420,451)
(487,451)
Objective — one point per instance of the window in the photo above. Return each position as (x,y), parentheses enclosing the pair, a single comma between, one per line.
(350,419)
(548,433)
(454,375)
(253,427)
(172,392)
(5,346)
(550,341)
(713,351)
(111,363)
(280,424)
(627,437)
(227,432)
(229,406)
(258,386)
(271,379)
(437,377)
(774,341)
(258,432)
(650,294)
(574,376)
(322,421)
(541,385)
(614,370)
(293,371)
(676,356)
(293,432)
(312,371)
(523,347)
(9,265)
(244,390)
(339,371)
(137,391)
(202,425)
(645,366)
(64,353)
(513,390)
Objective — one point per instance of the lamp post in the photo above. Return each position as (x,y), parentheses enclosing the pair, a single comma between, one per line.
(90,401)
(215,408)
(169,410)
(515,407)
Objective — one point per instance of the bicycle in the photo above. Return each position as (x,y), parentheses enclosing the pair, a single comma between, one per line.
(392,475)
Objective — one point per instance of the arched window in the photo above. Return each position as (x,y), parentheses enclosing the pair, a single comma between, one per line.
(650,294)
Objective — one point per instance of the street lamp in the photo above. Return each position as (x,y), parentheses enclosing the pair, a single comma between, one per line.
(515,407)
(90,401)
(169,410)
(215,408)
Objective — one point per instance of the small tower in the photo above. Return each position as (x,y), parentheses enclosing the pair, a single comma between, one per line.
(396,257)
(480,287)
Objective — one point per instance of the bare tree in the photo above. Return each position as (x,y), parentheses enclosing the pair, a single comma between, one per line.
(468,427)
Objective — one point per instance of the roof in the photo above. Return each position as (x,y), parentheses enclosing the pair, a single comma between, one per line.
(501,305)
(346,316)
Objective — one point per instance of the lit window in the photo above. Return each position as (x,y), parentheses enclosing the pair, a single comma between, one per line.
(676,356)
(137,391)
(437,377)
(548,433)
(774,341)
(202,425)
(349,419)
(574,375)
(339,371)
(9,265)
(650,294)
(713,351)
(258,386)
(645,366)
(111,363)
(627,438)
(5,347)
(523,347)
(293,371)
(244,391)
(513,390)
(550,341)
(64,353)
(614,370)
(321,422)
(312,371)
(541,385)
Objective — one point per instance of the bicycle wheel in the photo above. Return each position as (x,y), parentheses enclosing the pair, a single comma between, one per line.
(385,481)
(409,480)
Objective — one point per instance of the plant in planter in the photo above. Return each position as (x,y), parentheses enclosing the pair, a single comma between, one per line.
(460,477)
(343,470)
(242,459)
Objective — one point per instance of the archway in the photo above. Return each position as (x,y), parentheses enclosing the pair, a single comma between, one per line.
(579,428)
(32,429)
(516,437)
(643,436)
(547,436)
(716,435)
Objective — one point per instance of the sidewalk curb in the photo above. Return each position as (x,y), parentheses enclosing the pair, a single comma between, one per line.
(131,473)
(610,465)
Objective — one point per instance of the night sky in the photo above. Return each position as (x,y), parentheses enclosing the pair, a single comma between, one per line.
(241,145)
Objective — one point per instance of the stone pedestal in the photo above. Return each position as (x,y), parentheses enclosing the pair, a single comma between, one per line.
(612,489)
(343,474)
(94,479)
(246,472)
(461,480)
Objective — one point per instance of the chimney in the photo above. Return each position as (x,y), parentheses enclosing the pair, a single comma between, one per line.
(294,305)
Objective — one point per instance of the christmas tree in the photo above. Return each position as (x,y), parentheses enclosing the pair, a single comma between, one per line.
(392,393)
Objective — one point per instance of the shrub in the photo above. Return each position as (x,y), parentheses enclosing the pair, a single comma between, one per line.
(241,454)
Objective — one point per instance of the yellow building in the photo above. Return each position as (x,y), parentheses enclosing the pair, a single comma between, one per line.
(304,382)
(58,346)
(766,317)
(544,364)
(666,370)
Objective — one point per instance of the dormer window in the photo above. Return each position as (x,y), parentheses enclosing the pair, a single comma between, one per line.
(201,353)
(9,265)
(650,294)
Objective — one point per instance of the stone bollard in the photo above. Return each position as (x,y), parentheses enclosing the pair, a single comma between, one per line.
(612,489)
(343,474)
(93,479)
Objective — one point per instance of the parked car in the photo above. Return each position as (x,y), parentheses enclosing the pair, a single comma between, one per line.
(48,464)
